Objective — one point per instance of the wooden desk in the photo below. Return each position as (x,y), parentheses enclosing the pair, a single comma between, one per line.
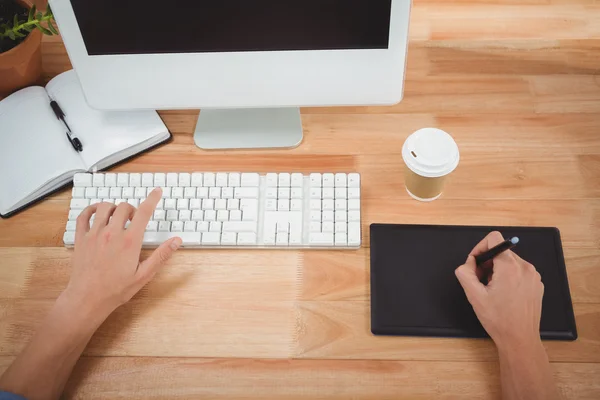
(519,88)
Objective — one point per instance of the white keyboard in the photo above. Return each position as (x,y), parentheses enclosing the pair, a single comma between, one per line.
(234,210)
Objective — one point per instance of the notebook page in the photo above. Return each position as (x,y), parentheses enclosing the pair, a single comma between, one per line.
(107,136)
(34,151)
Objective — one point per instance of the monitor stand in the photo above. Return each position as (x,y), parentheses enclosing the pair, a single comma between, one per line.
(250,128)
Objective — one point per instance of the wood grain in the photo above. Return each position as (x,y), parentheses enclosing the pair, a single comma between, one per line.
(516,82)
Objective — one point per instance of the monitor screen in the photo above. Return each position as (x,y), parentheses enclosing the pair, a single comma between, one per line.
(200,26)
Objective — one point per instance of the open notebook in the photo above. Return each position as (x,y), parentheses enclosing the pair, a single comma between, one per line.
(36,157)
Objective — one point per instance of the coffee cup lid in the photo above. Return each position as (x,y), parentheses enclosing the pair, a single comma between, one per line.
(431,153)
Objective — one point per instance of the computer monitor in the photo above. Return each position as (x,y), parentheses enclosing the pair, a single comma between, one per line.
(247,64)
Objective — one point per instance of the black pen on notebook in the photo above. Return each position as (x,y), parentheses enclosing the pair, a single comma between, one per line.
(496,250)
(75,142)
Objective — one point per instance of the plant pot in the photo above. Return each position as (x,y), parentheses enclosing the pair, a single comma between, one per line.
(22,65)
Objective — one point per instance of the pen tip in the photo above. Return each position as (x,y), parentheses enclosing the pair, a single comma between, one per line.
(514,240)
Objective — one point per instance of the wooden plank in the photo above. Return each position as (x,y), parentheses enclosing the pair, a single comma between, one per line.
(187,378)
(341,330)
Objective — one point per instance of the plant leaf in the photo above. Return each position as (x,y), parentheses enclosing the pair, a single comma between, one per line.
(16,21)
(18,34)
(52,28)
(32,11)
(11,35)
(44,30)
(39,16)
(29,28)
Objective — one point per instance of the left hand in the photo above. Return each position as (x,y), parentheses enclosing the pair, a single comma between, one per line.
(107,271)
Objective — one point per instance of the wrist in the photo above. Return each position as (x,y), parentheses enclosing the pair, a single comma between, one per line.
(82,312)
(525,348)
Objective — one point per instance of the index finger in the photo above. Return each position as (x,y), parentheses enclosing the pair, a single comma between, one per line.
(144,212)
(491,240)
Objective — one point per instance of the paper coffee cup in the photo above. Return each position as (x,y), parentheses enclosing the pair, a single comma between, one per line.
(430,156)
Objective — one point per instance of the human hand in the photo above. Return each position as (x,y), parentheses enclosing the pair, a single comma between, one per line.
(107,271)
(510,306)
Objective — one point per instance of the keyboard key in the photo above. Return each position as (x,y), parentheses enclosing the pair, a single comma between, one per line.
(328,193)
(202,226)
(79,203)
(327,227)
(189,192)
(340,204)
(164,226)
(159,206)
(328,180)
(340,193)
(283,227)
(315,180)
(172,215)
(250,180)
(115,192)
(246,239)
(221,179)
(208,204)
(140,193)
(197,179)
(272,180)
(195,204)
(271,193)
(328,205)
(222,215)
(152,226)
(297,180)
(283,193)
(128,193)
(202,193)
(210,215)
(73,214)
(296,193)
(340,239)
(71,225)
(170,204)
(147,180)
(227,193)
(166,192)
(341,227)
(103,192)
(328,216)
(246,192)
(172,179)
(235,215)
(354,234)
(282,239)
(315,216)
(340,180)
(296,205)
(215,226)
(159,215)
(353,204)
(69,238)
(183,204)
(234,179)
(321,239)
(353,182)
(135,180)
(98,180)
(211,238)
(235,226)
(189,226)
(314,227)
(340,216)
(82,180)
(214,193)
(78,192)
(284,180)
(119,201)
(283,205)
(315,205)
(233,204)
(176,226)
(353,216)
(229,239)
(177,193)
(95,201)
(220,204)
(197,215)
(315,193)
(209,179)
(185,215)
(184,179)
(122,180)
(160,180)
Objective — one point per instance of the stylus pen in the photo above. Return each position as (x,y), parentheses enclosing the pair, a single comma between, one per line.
(496,250)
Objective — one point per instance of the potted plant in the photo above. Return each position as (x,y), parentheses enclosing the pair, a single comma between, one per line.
(21,29)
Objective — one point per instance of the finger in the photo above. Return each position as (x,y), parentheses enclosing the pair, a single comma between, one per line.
(83,221)
(103,214)
(149,267)
(491,240)
(122,214)
(469,280)
(145,212)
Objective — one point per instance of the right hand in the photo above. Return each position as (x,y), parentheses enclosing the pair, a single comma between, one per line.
(510,306)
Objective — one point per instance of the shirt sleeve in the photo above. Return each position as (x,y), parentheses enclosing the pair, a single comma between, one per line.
(10,396)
